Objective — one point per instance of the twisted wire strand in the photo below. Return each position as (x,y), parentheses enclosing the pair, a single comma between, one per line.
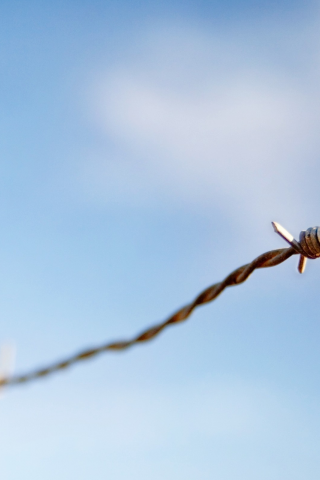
(240,275)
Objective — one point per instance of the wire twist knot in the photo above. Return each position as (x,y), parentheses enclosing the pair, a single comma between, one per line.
(310,242)
(308,245)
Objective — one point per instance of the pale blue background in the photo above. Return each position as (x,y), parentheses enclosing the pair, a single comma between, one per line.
(145,148)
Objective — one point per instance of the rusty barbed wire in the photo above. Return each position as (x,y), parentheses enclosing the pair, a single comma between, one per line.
(240,275)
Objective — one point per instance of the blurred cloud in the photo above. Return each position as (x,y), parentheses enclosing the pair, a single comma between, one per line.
(201,118)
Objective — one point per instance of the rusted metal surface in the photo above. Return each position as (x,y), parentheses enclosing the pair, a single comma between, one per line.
(240,275)
(308,245)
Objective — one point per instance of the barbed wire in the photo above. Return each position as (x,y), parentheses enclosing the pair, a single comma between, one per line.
(240,275)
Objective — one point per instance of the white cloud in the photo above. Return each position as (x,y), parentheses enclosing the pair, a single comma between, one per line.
(198,119)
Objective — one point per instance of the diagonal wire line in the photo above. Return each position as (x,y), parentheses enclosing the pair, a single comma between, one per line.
(240,275)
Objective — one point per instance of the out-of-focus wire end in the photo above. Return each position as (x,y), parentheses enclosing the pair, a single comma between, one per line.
(7,361)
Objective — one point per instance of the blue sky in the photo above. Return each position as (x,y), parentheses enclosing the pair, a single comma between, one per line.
(145,149)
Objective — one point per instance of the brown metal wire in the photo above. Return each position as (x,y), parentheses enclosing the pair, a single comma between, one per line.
(268,259)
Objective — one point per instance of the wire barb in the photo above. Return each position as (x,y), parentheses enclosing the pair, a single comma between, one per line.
(308,245)
(240,275)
